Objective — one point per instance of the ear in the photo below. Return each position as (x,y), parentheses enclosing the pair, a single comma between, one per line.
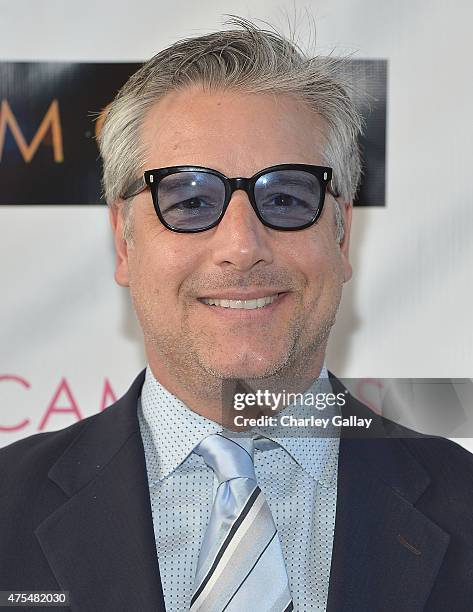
(121,246)
(347,209)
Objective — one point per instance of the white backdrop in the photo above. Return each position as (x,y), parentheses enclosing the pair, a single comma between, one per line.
(68,337)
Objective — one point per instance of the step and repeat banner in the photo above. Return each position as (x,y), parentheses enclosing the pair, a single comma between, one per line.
(69,341)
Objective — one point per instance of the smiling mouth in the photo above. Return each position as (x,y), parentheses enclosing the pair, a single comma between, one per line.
(242,304)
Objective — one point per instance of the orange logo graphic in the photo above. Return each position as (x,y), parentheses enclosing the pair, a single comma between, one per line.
(51,121)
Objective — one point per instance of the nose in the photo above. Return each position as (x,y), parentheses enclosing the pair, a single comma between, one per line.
(240,239)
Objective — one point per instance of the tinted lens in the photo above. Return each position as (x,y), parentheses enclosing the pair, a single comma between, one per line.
(191,200)
(288,198)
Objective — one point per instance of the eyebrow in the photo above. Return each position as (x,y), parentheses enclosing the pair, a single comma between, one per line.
(301,181)
(172,182)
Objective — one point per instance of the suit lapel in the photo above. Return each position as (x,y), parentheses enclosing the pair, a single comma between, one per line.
(386,553)
(100,543)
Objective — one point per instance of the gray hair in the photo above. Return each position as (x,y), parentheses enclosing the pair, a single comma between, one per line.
(248,59)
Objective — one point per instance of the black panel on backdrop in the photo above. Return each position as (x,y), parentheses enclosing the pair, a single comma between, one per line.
(48,151)
(371,77)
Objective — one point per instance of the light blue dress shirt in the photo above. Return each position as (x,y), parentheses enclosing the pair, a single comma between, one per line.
(298,478)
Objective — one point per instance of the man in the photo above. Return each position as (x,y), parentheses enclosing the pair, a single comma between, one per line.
(230,166)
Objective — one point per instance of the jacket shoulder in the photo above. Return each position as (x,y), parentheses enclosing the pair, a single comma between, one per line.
(444,460)
(33,456)
(28,460)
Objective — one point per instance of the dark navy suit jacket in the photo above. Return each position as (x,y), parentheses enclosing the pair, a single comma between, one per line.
(75,515)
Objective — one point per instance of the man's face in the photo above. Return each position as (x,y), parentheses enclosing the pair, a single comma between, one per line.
(170,273)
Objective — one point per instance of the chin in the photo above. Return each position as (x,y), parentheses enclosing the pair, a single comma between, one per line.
(249,366)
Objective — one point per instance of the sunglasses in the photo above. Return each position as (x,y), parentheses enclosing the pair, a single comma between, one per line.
(194,198)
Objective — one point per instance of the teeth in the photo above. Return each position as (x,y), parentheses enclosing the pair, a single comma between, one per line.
(245,304)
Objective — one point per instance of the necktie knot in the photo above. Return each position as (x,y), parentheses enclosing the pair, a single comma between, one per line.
(228,457)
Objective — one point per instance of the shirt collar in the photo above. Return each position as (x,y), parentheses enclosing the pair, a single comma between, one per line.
(175,430)
(316,454)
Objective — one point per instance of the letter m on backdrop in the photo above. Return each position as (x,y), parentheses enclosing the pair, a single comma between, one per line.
(51,121)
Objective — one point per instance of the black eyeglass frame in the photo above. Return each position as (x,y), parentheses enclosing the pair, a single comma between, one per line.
(152,178)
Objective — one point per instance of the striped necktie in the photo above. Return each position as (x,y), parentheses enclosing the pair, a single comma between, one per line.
(241,565)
